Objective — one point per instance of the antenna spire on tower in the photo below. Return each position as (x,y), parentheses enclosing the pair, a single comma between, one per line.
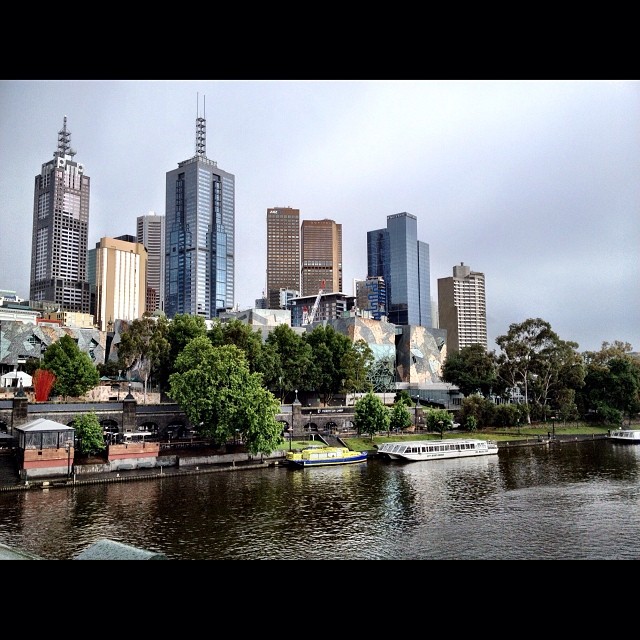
(64,142)
(201,132)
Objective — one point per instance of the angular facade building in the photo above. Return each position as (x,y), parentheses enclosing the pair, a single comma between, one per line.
(150,233)
(61,230)
(283,255)
(462,308)
(199,235)
(396,255)
(321,257)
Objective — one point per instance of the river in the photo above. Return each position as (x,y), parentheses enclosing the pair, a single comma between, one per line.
(575,500)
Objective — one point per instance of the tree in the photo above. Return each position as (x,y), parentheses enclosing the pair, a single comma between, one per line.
(296,360)
(222,398)
(181,329)
(472,369)
(439,420)
(75,372)
(356,365)
(89,434)
(144,347)
(370,415)
(242,335)
(400,417)
(522,347)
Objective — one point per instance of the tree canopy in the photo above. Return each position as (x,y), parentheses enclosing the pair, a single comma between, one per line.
(74,370)
(222,398)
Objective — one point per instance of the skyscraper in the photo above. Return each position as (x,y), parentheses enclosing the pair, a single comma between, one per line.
(150,233)
(283,254)
(61,230)
(121,275)
(462,308)
(321,257)
(199,235)
(396,254)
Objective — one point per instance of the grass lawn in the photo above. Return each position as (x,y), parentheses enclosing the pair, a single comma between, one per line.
(506,433)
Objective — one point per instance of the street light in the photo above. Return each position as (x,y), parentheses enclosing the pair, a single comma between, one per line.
(67,446)
(553,426)
(441,425)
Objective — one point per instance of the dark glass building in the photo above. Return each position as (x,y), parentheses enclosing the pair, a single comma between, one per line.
(199,236)
(396,254)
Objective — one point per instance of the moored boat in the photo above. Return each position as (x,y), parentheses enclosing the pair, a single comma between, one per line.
(320,456)
(437,449)
(625,435)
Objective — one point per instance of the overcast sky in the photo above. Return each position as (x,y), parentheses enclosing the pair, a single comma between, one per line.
(536,184)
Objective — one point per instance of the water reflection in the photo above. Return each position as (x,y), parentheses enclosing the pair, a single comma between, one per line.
(563,501)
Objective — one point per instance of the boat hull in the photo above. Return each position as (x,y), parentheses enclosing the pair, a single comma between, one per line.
(305,464)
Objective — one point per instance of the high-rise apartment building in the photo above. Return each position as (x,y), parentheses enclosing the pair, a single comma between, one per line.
(199,235)
(121,276)
(61,230)
(150,233)
(396,254)
(321,254)
(283,254)
(462,308)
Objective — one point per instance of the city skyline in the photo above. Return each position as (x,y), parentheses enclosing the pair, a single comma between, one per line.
(534,183)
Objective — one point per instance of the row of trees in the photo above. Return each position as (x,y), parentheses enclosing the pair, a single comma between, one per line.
(552,376)
(230,382)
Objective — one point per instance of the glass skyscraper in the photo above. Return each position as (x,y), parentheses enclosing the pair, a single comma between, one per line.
(396,254)
(199,236)
(60,231)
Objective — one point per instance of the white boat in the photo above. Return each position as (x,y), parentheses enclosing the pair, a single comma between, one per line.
(625,435)
(437,449)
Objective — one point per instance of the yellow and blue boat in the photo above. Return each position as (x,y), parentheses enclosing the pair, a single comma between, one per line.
(321,456)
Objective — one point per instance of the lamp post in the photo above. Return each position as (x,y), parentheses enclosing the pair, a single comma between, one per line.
(553,426)
(441,425)
(67,446)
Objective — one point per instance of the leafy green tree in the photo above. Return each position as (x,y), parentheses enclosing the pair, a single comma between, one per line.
(439,420)
(402,395)
(356,364)
(89,434)
(481,409)
(144,347)
(328,348)
(370,415)
(75,372)
(524,348)
(296,360)
(242,335)
(182,328)
(612,387)
(222,398)
(400,417)
(472,369)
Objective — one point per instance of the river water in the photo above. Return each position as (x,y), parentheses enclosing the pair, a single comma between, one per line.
(575,500)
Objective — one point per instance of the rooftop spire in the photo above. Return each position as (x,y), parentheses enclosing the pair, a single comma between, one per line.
(201,129)
(64,142)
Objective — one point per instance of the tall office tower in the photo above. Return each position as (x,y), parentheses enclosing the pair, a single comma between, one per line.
(396,254)
(150,233)
(463,308)
(321,257)
(199,236)
(283,253)
(61,230)
(121,275)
